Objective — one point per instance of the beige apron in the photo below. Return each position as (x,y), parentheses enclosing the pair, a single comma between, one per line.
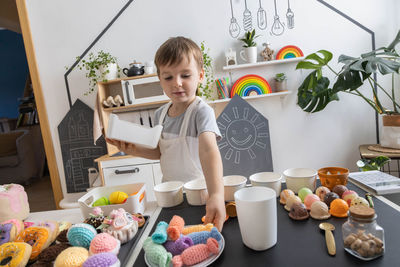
(176,161)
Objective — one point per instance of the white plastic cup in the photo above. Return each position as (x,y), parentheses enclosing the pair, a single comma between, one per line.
(256,212)
(272,180)
(232,183)
(169,194)
(196,192)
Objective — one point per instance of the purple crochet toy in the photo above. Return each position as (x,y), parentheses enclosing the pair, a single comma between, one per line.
(201,237)
(178,246)
(106,259)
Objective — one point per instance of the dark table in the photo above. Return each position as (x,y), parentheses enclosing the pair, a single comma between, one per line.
(300,243)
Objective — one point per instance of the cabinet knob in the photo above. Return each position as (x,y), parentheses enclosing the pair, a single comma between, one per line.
(134,170)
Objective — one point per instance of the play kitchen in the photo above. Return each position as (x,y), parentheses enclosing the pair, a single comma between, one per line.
(325,220)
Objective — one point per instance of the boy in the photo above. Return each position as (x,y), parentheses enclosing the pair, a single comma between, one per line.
(187,149)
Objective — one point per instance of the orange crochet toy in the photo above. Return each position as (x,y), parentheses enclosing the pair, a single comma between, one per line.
(197,228)
(175,227)
(37,237)
(196,254)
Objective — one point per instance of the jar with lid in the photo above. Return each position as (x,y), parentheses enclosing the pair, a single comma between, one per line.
(362,236)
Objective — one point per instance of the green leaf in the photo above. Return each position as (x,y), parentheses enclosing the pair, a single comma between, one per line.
(315,61)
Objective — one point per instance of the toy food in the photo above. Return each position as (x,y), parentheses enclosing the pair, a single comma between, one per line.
(321,192)
(197,228)
(104,243)
(62,237)
(118,197)
(156,253)
(359,201)
(139,218)
(50,254)
(310,198)
(196,254)
(120,225)
(13,202)
(178,246)
(52,226)
(37,237)
(17,223)
(71,257)
(175,227)
(339,208)
(9,230)
(329,197)
(103,201)
(349,195)
(17,252)
(284,195)
(290,201)
(203,236)
(339,189)
(303,192)
(96,218)
(319,211)
(63,225)
(102,260)
(298,212)
(81,234)
(160,234)
(231,209)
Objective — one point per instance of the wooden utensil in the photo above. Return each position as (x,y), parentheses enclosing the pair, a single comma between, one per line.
(330,240)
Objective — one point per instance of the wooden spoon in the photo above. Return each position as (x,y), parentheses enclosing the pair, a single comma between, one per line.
(330,240)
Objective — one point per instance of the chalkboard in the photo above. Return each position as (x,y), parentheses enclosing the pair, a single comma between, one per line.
(77,146)
(245,144)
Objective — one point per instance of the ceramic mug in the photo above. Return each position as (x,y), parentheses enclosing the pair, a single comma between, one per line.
(249,54)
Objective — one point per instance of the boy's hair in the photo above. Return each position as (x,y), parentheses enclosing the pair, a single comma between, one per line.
(176,49)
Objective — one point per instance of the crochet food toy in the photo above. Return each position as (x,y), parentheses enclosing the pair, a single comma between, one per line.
(156,253)
(17,254)
(104,243)
(201,237)
(175,227)
(96,218)
(196,253)
(13,202)
(52,226)
(103,201)
(62,237)
(51,253)
(160,234)
(118,197)
(139,218)
(63,225)
(9,230)
(72,257)
(81,234)
(37,237)
(197,228)
(120,225)
(178,246)
(102,260)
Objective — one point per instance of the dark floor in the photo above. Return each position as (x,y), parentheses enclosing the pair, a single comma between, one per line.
(40,194)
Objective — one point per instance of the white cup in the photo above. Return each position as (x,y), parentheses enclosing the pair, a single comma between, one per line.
(196,192)
(256,212)
(249,54)
(268,179)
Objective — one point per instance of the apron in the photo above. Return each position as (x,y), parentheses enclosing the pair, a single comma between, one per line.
(176,161)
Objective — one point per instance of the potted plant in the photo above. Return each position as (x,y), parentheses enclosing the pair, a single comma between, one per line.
(372,164)
(205,88)
(249,54)
(314,94)
(99,68)
(280,82)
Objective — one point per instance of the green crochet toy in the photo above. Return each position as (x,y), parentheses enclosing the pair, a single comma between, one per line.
(156,253)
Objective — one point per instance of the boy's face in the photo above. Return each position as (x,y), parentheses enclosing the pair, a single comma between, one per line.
(180,81)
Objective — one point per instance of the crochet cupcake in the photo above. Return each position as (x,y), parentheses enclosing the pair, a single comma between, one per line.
(104,243)
(72,257)
(81,234)
(96,218)
(102,260)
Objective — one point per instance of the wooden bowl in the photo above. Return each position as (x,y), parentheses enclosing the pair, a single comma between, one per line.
(331,176)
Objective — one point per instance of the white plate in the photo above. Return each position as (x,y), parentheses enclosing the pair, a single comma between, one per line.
(204,263)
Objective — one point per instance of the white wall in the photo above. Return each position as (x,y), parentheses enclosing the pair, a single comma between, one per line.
(63,29)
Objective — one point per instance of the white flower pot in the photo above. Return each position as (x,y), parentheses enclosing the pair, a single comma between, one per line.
(249,54)
(113,71)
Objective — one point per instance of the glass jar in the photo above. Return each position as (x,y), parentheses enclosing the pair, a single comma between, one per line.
(362,236)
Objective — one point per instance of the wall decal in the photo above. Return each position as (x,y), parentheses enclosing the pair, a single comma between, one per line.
(234,28)
(261,17)
(247,18)
(277,27)
(289,17)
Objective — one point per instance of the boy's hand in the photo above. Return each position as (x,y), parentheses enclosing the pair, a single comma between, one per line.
(215,211)
(127,148)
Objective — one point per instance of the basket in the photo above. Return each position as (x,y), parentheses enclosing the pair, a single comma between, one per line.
(331,176)
(135,203)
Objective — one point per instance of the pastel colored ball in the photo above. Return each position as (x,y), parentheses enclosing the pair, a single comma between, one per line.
(303,192)
(118,197)
(103,201)
(359,201)
(339,208)
(349,195)
(309,199)
(321,192)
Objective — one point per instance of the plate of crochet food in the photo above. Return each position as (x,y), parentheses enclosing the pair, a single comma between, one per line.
(192,245)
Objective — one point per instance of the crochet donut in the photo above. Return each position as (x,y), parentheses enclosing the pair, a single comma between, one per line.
(15,254)
(37,237)
(9,230)
(52,226)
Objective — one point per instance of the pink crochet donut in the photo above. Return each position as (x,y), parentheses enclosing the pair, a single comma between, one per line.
(104,243)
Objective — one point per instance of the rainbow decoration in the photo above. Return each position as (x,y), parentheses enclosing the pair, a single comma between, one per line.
(250,85)
(289,51)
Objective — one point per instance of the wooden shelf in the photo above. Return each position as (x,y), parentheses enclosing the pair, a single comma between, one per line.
(283,93)
(141,106)
(127,78)
(263,63)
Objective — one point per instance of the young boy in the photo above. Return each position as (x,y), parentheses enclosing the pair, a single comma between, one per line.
(188,147)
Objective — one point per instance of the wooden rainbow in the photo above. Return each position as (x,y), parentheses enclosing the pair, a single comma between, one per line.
(289,51)
(250,85)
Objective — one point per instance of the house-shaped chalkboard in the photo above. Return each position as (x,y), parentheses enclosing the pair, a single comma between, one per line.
(245,144)
(78,150)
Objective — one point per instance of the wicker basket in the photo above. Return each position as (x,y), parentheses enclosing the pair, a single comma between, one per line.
(331,176)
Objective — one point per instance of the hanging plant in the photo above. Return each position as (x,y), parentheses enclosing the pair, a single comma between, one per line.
(206,88)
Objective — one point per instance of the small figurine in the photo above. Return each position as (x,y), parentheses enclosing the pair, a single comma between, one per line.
(267,52)
(230,56)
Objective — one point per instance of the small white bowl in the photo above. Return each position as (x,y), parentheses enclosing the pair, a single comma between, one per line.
(297,178)
(267,179)
(196,192)
(232,183)
(169,194)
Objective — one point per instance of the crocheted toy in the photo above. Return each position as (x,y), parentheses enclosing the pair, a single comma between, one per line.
(51,225)
(196,253)
(175,227)
(118,197)
(19,225)
(103,201)
(197,228)
(96,218)
(62,237)
(160,234)
(120,225)
(156,253)
(42,264)
(8,232)
(51,253)
(139,218)
(102,260)
(104,243)
(37,237)
(81,234)
(178,246)
(17,252)
(28,224)
(13,202)
(72,257)
(63,226)
(201,237)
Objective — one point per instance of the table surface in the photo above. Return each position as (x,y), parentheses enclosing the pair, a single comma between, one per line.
(366,153)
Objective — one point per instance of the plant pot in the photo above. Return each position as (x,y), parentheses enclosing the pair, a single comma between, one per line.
(249,54)
(280,86)
(390,136)
(112,71)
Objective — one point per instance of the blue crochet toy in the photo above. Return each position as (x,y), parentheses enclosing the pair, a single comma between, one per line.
(156,253)
(201,237)
(81,234)
(160,234)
